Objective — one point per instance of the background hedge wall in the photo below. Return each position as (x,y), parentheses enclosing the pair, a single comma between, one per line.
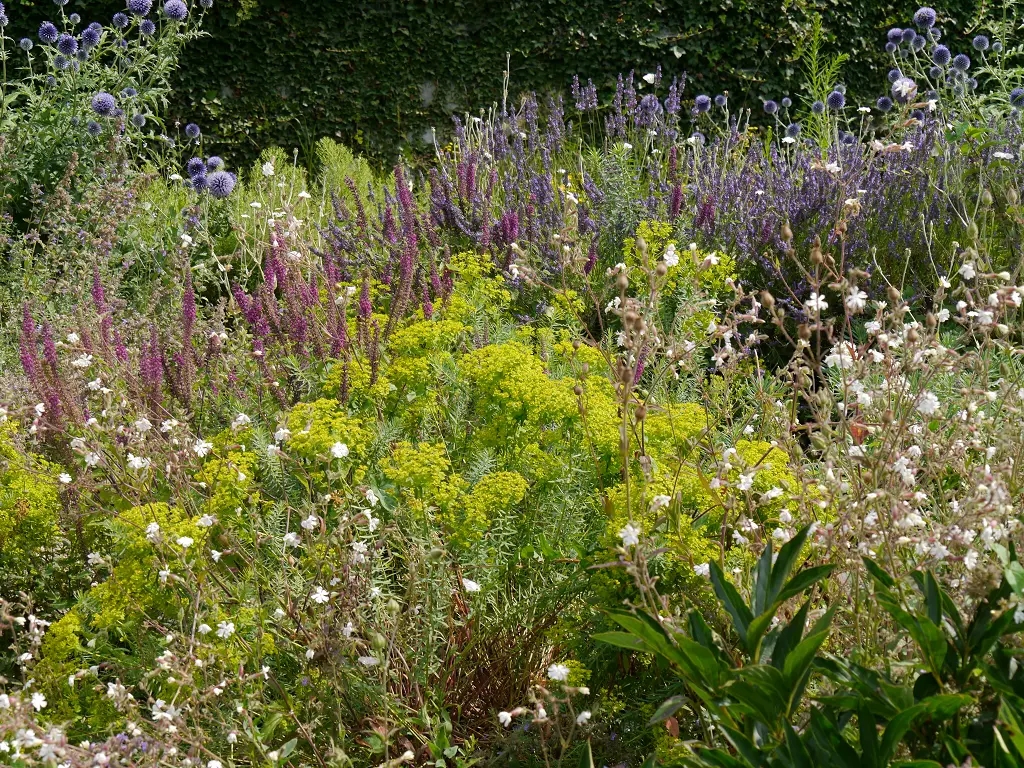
(378,74)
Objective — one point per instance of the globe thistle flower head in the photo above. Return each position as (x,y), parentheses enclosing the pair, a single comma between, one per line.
(60,3)
(138,120)
(884,104)
(147,27)
(93,128)
(702,103)
(895,35)
(793,130)
(835,101)
(221,184)
(140,7)
(894,75)
(195,166)
(4,21)
(997,46)
(67,45)
(818,107)
(74,18)
(958,90)
(91,37)
(918,115)
(909,35)
(961,62)
(120,21)
(980,43)
(200,181)
(845,137)
(890,47)
(919,43)
(129,93)
(941,55)
(925,17)
(25,44)
(1017,98)
(787,102)
(104,104)
(934,34)
(192,131)
(721,100)
(206,3)
(935,73)
(214,162)
(83,54)
(770,107)
(48,33)
(61,62)
(176,10)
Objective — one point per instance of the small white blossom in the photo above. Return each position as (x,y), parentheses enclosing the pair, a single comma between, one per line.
(339,450)
(320,596)
(558,673)
(225,629)
(470,585)
(630,535)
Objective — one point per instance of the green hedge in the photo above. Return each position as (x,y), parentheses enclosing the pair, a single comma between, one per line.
(378,74)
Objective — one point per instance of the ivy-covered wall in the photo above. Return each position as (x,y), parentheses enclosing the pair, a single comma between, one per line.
(378,74)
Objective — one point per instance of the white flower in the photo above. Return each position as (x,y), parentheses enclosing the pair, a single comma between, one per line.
(320,595)
(650,77)
(214,764)
(505,719)
(206,521)
(95,385)
(5,701)
(339,450)
(202,447)
(92,459)
(660,502)
(630,535)
(348,629)
(470,585)
(153,531)
(583,717)
(72,338)
(291,539)
(95,558)
(241,420)
(273,450)
(138,462)
(268,169)
(143,424)
(359,550)
(1002,156)
(558,673)
(833,168)
(225,629)
(369,661)
(64,478)
(967,271)
(371,497)
(215,555)
(83,361)
(282,434)
(185,542)
(204,629)
(746,481)
(971,559)
(703,569)
(168,425)
(304,195)
(788,140)
(627,146)
(310,522)
(928,404)
(856,299)
(671,258)
(38,701)
(816,303)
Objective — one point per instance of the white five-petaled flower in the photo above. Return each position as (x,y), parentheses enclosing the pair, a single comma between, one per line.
(928,404)
(703,569)
(967,271)
(185,542)
(143,424)
(470,585)
(202,447)
(206,521)
(82,361)
(583,717)
(320,596)
(339,450)
(225,629)
(282,434)
(856,299)
(38,701)
(241,420)
(268,169)
(558,672)
(138,462)
(505,719)
(630,535)
(65,478)
(671,258)
(816,303)
(310,522)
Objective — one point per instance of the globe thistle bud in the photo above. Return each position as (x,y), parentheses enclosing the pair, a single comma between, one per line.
(121,21)
(961,62)
(894,75)
(192,131)
(214,162)
(818,107)
(941,55)
(980,43)
(997,46)
(835,101)
(770,107)
(934,34)
(909,35)
(74,18)
(895,35)
(93,128)
(1017,98)
(890,47)
(793,130)
(206,3)
(25,44)
(147,27)
(919,43)
(935,73)
(138,120)
(721,101)
(104,104)
(787,102)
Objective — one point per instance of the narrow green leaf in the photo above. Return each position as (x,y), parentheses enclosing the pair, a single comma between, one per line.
(784,564)
(587,758)
(623,640)
(668,708)
(731,601)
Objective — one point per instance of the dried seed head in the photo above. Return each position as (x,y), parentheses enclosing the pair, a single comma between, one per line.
(787,233)
(641,412)
(894,295)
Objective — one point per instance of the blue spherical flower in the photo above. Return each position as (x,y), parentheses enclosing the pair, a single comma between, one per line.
(997,46)
(138,120)
(702,103)
(74,18)
(175,10)
(934,34)
(192,131)
(721,100)
(909,35)
(835,101)
(972,83)
(793,130)
(787,102)
(1017,98)
(104,104)
(220,184)
(200,181)
(980,43)
(214,162)
(890,47)
(61,62)
(93,128)
(919,43)
(935,73)
(83,54)
(925,17)
(91,37)
(147,27)
(818,107)
(845,137)
(771,107)
(195,166)
(129,93)
(25,44)
(884,104)
(895,35)
(941,55)
(121,21)
(206,3)
(48,33)
(67,45)
(918,115)
(140,7)
(894,75)
(961,62)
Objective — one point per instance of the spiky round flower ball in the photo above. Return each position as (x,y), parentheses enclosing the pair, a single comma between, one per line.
(120,20)
(961,62)
(195,166)
(845,137)
(787,102)
(206,3)
(147,27)
(221,183)
(909,35)
(74,18)
(129,93)
(25,44)
(925,17)
(93,128)
(175,10)
(104,104)
(890,47)
(793,130)
(48,33)
(894,35)
(83,54)
(200,181)
(919,43)
(941,55)
(214,162)
(835,101)
(67,45)
(997,46)
(91,37)
(934,34)
(935,73)
(894,75)
(138,120)
(770,107)
(721,101)
(702,103)
(818,107)
(140,7)
(1017,98)
(192,131)
(972,83)
(980,43)
(884,104)
(61,62)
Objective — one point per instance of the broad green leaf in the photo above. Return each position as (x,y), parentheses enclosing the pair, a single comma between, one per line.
(804,580)
(587,758)
(731,601)
(798,668)
(763,578)
(882,578)
(623,640)
(940,707)
(668,708)
(784,565)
